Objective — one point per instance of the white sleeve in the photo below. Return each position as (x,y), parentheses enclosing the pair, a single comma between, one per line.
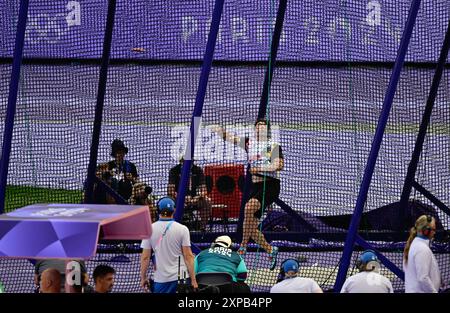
(145,244)
(422,261)
(389,286)
(186,239)
(344,288)
(315,288)
(387,283)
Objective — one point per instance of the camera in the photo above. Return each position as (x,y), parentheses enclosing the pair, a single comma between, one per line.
(148,190)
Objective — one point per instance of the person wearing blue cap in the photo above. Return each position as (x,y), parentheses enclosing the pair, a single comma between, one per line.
(173,256)
(369,279)
(289,282)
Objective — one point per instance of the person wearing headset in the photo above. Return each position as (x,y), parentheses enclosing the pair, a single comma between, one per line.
(369,279)
(171,244)
(289,282)
(421,268)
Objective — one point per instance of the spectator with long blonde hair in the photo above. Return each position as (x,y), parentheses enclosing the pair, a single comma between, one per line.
(421,268)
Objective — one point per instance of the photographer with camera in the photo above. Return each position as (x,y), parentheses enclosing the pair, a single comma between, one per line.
(100,194)
(196,200)
(142,195)
(120,174)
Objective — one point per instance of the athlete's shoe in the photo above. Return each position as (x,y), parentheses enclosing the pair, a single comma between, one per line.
(273,258)
(242,250)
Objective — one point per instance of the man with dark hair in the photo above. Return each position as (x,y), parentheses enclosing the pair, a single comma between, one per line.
(196,199)
(103,278)
(266,160)
(221,258)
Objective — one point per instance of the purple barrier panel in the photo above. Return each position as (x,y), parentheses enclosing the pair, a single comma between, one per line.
(69,231)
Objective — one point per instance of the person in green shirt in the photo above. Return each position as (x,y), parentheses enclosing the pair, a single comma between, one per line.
(221,258)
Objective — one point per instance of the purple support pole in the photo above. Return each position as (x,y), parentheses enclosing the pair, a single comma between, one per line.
(376,144)
(412,168)
(431,197)
(89,188)
(12,100)
(198,108)
(391,266)
(263,103)
(105,188)
(272,58)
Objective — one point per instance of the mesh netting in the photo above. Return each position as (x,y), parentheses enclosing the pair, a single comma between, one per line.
(318,260)
(326,95)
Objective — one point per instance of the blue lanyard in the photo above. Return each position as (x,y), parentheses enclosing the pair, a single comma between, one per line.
(165,231)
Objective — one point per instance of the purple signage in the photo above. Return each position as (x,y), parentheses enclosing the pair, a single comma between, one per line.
(69,230)
(354,30)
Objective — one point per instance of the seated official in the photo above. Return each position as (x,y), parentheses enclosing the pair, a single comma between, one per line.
(220,258)
(368,280)
(291,283)
(196,199)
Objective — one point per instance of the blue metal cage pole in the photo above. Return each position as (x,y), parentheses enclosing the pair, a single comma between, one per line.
(263,103)
(198,108)
(89,187)
(12,100)
(412,168)
(272,58)
(376,144)
(391,266)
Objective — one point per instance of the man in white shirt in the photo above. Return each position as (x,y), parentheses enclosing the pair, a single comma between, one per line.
(368,280)
(291,283)
(171,244)
(421,268)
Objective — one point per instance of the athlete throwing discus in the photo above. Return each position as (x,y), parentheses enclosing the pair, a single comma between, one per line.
(266,161)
